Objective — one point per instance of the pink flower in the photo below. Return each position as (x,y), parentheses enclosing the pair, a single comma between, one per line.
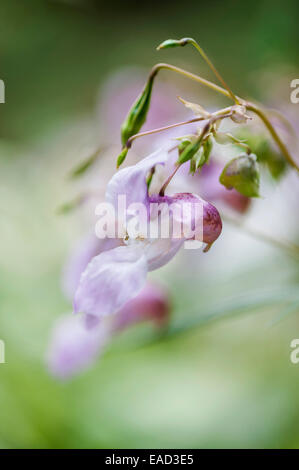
(74,347)
(115,276)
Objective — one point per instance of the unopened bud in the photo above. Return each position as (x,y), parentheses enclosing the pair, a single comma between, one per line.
(207,147)
(138,112)
(242,173)
(174,43)
(122,156)
(188,151)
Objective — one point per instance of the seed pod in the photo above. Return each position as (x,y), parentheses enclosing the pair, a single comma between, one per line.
(242,173)
(138,112)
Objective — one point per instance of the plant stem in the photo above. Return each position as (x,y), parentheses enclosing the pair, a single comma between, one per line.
(255,109)
(213,68)
(218,114)
(250,106)
(190,75)
(162,190)
(161,129)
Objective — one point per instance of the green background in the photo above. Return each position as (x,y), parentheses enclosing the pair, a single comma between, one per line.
(227,384)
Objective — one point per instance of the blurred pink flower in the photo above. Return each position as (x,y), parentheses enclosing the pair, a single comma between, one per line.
(74,346)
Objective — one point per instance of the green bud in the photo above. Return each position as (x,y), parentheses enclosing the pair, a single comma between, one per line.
(138,112)
(183,144)
(121,157)
(242,173)
(199,158)
(267,155)
(174,43)
(207,147)
(192,168)
(189,151)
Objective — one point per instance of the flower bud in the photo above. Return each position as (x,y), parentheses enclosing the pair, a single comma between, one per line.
(211,220)
(242,173)
(212,190)
(188,151)
(138,112)
(207,147)
(122,156)
(169,43)
(203,224)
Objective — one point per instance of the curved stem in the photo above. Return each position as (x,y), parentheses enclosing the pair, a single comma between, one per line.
(162,190)
(255,109)
(250,106)
(213,68)
(217,115)
(161,129)
(190,75)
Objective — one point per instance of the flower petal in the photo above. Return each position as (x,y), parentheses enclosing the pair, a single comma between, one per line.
(155,262)
(73,347)
(111,279)
(131,181)
(83,253)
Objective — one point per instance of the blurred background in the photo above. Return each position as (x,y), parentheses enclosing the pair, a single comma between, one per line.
(228,382)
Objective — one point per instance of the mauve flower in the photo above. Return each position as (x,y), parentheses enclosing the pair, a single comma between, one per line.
(74,347)
(118,275)
(79,258)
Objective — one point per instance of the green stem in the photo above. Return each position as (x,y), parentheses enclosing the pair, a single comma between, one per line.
(255,109)
(161,129)
(213,68)
(190,75)
(250,106)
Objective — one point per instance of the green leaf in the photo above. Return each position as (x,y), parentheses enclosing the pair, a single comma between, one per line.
(69,206)
(83,166)
(242,173)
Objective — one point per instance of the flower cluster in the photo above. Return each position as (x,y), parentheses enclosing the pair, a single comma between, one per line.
(107,278)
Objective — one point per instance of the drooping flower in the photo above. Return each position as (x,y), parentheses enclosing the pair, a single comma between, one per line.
(114,277)
(74,347)
(86,249)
